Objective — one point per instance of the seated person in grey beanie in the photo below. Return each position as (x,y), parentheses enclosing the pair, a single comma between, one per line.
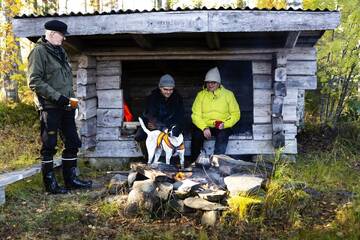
(163,109)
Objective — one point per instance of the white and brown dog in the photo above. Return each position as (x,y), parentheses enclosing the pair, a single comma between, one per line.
(157,141)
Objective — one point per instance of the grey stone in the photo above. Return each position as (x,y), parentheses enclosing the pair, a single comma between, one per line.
(142,198)
(134,176)
(146,186)
(242,183)
(212,195)
(178,206)
(164,190)
(118,183)
(209,218)
(185,185)
(202,204)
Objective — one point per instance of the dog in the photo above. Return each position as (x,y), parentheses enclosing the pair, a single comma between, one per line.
(157,141)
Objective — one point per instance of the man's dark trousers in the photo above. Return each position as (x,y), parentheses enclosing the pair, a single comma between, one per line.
(52,121)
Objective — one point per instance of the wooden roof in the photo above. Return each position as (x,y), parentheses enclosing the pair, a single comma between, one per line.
(212,28)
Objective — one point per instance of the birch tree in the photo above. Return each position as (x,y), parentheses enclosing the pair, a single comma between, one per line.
(338,64)
(11,68)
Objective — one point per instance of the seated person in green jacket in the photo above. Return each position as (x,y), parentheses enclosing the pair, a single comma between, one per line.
(214,112)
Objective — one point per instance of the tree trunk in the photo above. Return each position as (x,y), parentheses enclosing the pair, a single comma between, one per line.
(343,95)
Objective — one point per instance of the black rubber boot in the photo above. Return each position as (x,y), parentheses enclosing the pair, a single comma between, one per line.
(70,179)
(50,183)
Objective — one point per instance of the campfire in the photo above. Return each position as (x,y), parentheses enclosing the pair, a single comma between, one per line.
(204,187)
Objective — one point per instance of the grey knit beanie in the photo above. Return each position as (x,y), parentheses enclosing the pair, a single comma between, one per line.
(213,75)
(166,81)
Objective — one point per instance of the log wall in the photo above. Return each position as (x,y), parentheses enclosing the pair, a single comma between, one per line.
(279,81)
(279,88)
(85,91)
(110,102)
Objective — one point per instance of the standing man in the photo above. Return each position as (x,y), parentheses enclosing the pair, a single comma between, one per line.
(214,112)
(50,78)
(164,109)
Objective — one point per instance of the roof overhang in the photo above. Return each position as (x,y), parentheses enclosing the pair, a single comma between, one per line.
(185,22)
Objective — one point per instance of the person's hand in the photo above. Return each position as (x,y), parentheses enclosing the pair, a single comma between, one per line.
(63,101)
(207,133)
(219,124)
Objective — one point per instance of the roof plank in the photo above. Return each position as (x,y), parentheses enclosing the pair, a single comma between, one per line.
(185,21)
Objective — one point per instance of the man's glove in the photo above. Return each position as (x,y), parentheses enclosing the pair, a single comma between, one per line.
(63,101)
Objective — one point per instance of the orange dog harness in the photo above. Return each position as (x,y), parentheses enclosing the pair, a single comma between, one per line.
(165,137)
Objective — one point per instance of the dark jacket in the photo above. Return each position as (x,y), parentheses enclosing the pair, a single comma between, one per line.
(49,74)
(164,113)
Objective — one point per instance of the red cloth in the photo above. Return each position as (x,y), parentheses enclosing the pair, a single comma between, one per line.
(218,123)
(128,117)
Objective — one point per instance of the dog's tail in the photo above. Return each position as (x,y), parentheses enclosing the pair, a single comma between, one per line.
(142,124)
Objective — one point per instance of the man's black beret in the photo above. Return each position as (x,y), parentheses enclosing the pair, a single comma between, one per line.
(56,25)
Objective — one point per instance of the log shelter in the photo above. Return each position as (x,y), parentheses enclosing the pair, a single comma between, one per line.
(266,57)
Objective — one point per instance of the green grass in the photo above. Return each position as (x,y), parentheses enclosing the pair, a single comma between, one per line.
(329,162)
(19,136)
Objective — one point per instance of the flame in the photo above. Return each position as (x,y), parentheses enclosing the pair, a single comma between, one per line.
(180,176)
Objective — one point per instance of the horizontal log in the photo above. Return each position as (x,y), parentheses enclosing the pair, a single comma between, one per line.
(302,54)
(301,67)
(300,82)
(289,113)
(87,109)
(108,82)
(87,61)
(185,21)
(116,149)
(87,127)
(289,128)
(263,96)
(262,67)
(111,71)
(113,55)
(107,64)
(110,98)
(85,76)
(293,67)
(109,117)
(249,21)
(269,136)
(262,81)
(265,131)
(105,54)
(112,133)
(85,91)
(262,113)
(129,148)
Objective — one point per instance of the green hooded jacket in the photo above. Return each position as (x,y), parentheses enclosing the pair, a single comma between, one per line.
(49,74)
